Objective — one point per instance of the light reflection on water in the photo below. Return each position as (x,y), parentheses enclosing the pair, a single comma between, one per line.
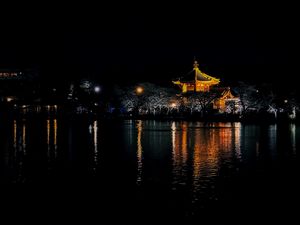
(273,136)
(139,152)
(179,169)
(196,152)
(16,160)
(179,154)
(93,132)
(293,137)
(51,140)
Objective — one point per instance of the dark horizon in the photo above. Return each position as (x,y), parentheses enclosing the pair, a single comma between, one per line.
(140,47)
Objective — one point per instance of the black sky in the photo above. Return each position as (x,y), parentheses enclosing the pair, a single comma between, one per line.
(151,43)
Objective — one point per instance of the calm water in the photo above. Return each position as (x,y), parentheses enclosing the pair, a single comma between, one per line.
(84,171)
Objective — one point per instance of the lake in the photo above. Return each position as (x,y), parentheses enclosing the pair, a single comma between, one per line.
(79,170)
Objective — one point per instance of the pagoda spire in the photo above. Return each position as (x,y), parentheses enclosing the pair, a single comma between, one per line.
(196,70)
(195,64)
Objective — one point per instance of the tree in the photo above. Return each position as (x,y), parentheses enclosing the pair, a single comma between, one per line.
(200,101)
(250,100)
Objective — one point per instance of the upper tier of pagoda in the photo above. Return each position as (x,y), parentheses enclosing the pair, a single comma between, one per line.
(196,80)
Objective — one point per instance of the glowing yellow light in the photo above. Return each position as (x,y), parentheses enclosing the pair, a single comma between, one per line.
(139,90)
(55,132)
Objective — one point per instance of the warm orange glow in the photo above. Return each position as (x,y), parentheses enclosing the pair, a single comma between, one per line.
(212,145)
(139,90)
(55,133)
(173,105)
(139,152)
(198,158)
(200,83)
(179,152)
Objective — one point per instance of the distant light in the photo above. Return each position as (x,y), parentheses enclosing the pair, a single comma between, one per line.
(139,90)
(96,104)
(97,89)
(285,101)
(173,105)
(9,99)
(85,84)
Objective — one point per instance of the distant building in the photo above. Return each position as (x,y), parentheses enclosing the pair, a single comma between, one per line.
(197,81)
(8,74)
(16,84)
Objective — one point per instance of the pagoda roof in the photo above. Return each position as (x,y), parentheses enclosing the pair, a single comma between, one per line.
(223,92)
(201,76)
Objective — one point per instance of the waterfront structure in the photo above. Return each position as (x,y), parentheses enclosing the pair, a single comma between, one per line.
(199,82)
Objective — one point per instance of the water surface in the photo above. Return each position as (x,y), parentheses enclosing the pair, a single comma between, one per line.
(85,171)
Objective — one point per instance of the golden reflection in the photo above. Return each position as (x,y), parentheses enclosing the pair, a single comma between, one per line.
(184,143)
(52,138)
(179,153)
(19,136)
(209,146)
(197,157)
(213,145)
(55,135)
(139,152)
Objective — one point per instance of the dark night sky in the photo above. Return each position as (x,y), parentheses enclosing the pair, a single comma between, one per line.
(156,44)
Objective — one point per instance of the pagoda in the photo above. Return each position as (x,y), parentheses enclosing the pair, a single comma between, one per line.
(196,81)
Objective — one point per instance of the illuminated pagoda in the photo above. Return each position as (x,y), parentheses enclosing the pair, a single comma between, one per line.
(196,81)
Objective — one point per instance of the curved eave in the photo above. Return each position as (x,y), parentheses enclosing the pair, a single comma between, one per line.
(209,82)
